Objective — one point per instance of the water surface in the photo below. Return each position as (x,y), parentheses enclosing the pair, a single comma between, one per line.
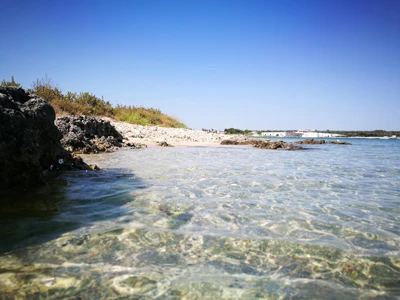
(215,222)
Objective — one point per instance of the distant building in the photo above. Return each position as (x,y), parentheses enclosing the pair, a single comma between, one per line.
(316,134)
(274,133)
(300,133)
(280,134)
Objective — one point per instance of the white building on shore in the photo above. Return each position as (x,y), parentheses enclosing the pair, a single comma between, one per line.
(300,133)
(280,134)
(316,134)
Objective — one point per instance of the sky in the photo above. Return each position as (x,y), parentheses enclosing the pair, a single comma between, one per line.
(249,64)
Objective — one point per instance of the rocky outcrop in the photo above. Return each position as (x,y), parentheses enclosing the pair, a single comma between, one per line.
(164,144)
(318,142)
(240,141)
(311,142)
(338,143)
(83,134)
(29,141)
(262,144)
(273,145)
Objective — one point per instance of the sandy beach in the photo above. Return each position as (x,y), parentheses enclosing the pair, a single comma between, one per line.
(152,135)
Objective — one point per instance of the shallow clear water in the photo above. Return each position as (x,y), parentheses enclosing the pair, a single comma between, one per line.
(212,223)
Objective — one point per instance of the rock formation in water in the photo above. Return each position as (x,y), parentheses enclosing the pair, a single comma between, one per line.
(311,142)
(262,144)
(29,140)
(317,142)
(273,145)
(83,134)
(164,144)
(338,143)
(240,141)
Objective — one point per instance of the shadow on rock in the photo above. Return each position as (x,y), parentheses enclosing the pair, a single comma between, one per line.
(29,140)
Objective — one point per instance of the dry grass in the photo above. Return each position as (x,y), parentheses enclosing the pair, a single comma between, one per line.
(89,104)
(145,116)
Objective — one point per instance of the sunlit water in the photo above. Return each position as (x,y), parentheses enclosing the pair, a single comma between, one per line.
(212,223)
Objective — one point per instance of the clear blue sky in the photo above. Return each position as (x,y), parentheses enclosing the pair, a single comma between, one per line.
(284,64)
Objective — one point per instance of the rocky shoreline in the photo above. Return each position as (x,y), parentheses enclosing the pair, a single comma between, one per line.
(30,144)
(86,135)
(160,136)
(33,142)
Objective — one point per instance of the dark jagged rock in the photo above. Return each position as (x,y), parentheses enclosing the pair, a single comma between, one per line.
(311,142)
(229,142)
(273,145)
(29,141)
(338,143)
(83,134)
(134,145)
(317,142)
(164,144)
(240,141)
(263,144)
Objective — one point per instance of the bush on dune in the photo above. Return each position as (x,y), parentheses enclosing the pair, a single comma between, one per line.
(145,116)
(71,103)
(10,83)
(88,104)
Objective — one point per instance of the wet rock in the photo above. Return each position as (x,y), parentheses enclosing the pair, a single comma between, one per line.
(84,134)
(240,141)
(262,144)
(311,142)
(229,142)
(273,145)
(319,142)
(29,142)
(339,143)
(134,145)
(164,144)
(94,167)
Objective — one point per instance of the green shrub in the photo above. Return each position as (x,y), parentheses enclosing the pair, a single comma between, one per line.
(46,89)
(237,131)
(10,83)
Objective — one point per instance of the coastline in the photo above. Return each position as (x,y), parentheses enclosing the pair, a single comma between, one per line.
(153,135)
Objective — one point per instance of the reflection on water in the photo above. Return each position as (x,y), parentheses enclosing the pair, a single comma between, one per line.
(78,199)
(195,223)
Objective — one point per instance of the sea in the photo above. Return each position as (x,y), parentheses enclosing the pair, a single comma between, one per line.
(210,222)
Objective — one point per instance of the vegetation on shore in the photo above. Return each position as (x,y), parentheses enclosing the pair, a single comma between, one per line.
(85,103)
(365,133)
(346,133)
(237,131)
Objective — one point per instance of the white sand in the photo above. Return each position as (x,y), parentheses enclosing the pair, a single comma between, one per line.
(151,135)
